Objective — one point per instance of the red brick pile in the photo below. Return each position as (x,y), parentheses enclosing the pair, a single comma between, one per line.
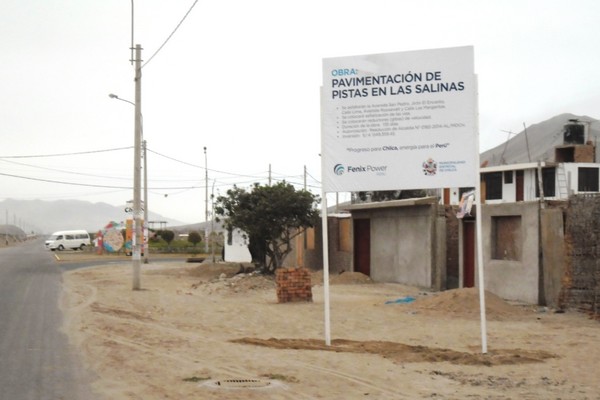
(293,284)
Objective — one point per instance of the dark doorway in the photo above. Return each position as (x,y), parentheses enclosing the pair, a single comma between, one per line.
(519,185)
(469,254)
(362,246)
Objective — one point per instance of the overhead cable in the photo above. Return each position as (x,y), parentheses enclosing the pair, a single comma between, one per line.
(172,33)
(69,154)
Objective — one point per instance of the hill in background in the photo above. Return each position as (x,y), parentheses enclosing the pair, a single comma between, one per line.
(536,142)
(44,217)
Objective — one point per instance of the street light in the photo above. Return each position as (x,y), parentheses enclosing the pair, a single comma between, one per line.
(145,168)
(137,166)
(114,96)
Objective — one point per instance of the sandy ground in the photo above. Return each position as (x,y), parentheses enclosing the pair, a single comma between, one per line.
(199,331)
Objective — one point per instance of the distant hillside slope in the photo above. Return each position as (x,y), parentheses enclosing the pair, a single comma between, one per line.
(12,231)
(538,144)
(211,226)
(49,216)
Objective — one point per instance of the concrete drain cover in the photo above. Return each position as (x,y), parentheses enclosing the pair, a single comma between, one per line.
(243,384)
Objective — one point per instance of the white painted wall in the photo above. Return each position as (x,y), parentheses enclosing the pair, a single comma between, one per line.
(236,250)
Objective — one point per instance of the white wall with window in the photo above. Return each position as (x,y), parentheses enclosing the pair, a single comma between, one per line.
(520,182)
(582,177)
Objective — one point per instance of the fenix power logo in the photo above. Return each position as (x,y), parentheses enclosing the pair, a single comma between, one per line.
(340,169)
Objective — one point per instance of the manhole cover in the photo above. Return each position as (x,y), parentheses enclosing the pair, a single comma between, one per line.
(242,384)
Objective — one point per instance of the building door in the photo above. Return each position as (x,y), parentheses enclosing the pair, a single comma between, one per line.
(362,246)
(446,196)
(468,254)
(519,188)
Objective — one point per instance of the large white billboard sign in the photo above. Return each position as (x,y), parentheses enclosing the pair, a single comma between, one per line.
(399,121)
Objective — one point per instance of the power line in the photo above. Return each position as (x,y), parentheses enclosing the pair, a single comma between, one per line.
(95,185)
(315,179)
(233,174)
(64,171)
(174,159)
(69,154)
(201,167)
(65,183)
(254,178)
(172,33)
(64,195)
(100,186)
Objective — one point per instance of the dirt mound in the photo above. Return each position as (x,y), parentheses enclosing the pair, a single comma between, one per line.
(230,278)
(212,271)
(343,278)
(465,303)
(400,353)
(248,282)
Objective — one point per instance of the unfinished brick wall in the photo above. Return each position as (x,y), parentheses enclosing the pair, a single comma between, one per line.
(581,282)
(585,153)
(293,284)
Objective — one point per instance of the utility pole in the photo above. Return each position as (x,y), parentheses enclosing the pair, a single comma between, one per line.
(303,229)
(305,177)
(212,221)
(526,141)
(205,201)
(146,249)
(137,175)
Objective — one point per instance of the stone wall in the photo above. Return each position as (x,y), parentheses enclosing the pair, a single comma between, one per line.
(581,281)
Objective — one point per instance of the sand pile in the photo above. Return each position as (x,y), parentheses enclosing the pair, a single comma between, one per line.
(465,303)
(228,277)
(401,353)
(343,278)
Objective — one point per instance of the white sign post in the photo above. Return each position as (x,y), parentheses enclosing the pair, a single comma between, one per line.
(398,121)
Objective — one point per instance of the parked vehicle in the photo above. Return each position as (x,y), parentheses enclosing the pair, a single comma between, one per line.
(61,240)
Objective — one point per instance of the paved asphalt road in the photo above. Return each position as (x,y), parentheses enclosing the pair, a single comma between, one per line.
(36,360)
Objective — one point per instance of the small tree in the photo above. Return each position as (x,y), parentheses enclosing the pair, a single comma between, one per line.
(271,216)
(194,238)
(167,236)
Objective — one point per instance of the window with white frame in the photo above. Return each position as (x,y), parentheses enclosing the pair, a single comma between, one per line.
(587,179)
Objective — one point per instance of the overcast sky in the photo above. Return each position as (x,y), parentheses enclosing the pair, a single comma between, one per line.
(242,78)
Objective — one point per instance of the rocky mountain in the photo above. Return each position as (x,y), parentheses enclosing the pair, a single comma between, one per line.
(537,142)
(44,217)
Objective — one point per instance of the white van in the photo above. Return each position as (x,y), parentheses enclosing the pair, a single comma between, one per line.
(62,240)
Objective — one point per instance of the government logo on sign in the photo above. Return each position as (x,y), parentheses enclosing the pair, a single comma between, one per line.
(430,167)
